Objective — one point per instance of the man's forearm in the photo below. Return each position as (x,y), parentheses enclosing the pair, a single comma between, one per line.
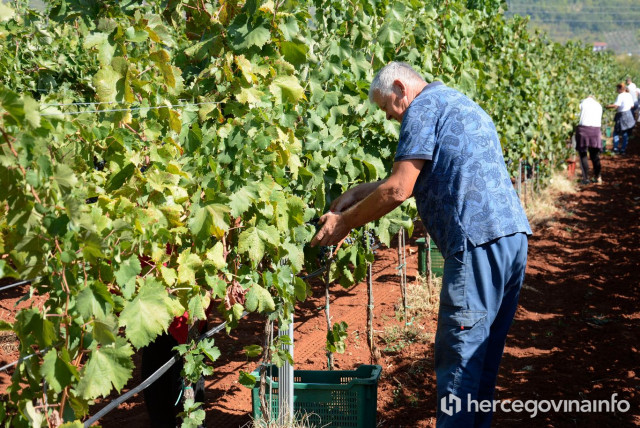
(363,190)
(382,199)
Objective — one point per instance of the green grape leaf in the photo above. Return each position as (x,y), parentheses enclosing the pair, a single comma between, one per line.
(259,299)
(126,275)
(74,424)
(101,42)
(135,35)
(104,331)
(32,111)
(107,366)
(245,33)
(247,380)
(295,53)
(7,271)
(169,275)
(64,177)
(253,240)
(31,324)
(207,348)
(198,304)
(95,300)
(249,96)
(12,103)
(57,369)
(237,311)
(289,27)
(301,288)
(295,255)
(218,286)
(117,180)
(391,32)
(147,315)
(241,200)
(253,350)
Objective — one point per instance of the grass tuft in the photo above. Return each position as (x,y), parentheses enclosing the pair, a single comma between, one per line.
(544,205)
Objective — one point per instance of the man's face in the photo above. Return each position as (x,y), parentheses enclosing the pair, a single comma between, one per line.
(393,104)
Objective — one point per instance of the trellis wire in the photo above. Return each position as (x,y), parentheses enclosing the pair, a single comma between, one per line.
(85,103)
(17,284)
(21,359)
(130,109)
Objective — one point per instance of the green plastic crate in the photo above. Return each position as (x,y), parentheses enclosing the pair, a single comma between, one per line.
(336,398)
(437,261)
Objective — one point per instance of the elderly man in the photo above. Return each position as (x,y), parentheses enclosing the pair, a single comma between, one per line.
(449,158)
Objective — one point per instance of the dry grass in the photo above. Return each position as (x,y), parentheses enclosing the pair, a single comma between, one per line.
(421,298)
(8,342)
(543,206)
(300,421)
(422,301)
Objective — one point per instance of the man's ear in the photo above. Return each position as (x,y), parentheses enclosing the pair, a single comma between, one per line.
(398,85)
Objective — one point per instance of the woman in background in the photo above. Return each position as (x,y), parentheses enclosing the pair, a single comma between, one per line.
(624,120)
(589,138)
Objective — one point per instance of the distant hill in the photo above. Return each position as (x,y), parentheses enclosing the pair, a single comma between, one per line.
(616,22)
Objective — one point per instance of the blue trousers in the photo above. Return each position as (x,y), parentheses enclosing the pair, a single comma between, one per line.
(480,290)
(625,140)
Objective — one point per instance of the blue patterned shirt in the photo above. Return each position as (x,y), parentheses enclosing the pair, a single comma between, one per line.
(464,190)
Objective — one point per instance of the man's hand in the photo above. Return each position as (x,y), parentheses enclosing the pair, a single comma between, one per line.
(333,230)
(344,201)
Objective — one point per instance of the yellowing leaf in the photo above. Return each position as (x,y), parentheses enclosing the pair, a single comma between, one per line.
(216,256)
(249,95)
(6,13)
(105,82)
(286,88)
(188,264)
(210,219)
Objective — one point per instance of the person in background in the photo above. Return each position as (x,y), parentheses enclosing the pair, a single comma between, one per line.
(589,138)
(449,157)
(635,92)
(623,120)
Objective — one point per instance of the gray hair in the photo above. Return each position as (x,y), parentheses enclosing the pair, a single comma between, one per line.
(383,82)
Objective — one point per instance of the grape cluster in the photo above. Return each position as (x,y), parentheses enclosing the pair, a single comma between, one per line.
(98,164)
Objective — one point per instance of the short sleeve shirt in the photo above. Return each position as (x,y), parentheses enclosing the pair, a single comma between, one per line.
(624,102)
(590,113)
(464,192)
